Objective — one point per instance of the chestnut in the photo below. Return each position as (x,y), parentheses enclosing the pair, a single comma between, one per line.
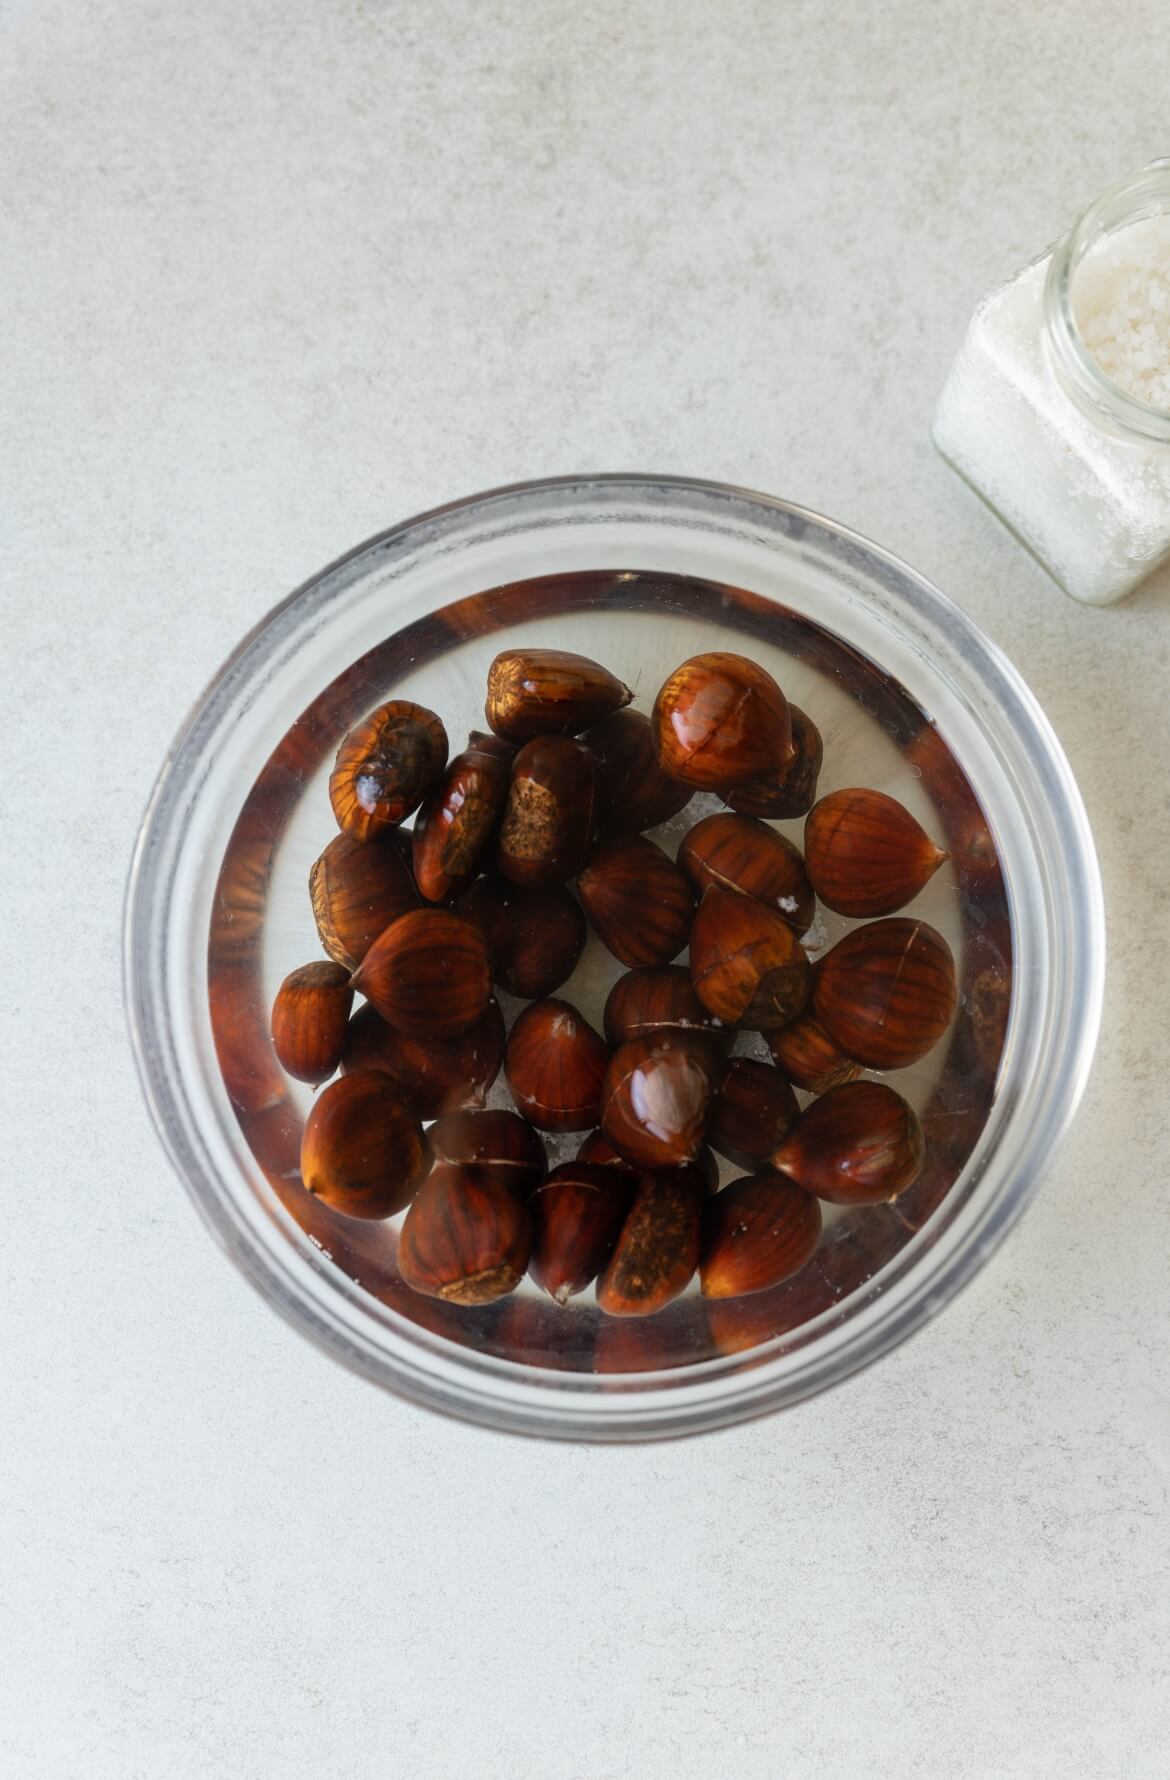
(638,901)
(466,1238)
(720,720)
(577,1216)
(793,790)
(658,1248)
(534,937)
(435,1075)
(757,1232)
(857,1145)
(496,1142)
(555,1065)
(747,964)
(807,1055)
(866,854)
(309,1018)
(886,992)
(633,792)
(428,974)
(457,820)
(362,1150)
(357,889)
(385,767)
(548,818)
(543,692)
(657,1096)
(751,1112)
(656,998)
(739,853)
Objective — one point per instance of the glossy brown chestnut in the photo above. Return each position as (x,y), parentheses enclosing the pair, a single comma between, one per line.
(739,853)
(747,964)
(534,937)
(385,767)
(751,1112)
(357,889)
(541,692)
(555,1065)
(857,1145)
(548,818)
(638,901)
(428,974)
(577,1216)
(309,1018)
(886,992)
(657,998)
(363,1151)
(865,853)
(657,1096)
(458,819)
(597,1148)
(658,1248)
(436,1075)
(720,720)
(757,1232)
(793,790)
(466,1238)
(807,1055)
(633,792)
(496,1142)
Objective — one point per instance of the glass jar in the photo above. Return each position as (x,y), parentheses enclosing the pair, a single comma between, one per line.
(649,570)
(1075,465)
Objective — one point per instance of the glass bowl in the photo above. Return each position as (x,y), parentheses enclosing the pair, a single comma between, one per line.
(640,572)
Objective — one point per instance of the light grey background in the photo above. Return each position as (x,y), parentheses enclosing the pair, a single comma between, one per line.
(278,274)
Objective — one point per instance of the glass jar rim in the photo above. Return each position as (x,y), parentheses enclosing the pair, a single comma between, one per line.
(1130,200)
(1059,1010)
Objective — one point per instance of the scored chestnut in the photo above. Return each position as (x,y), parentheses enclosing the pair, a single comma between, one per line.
(428,974)
(858,1144)
(548,818)
(497,1143)
(555,1065)
(866,854)
(658,1248)
(577,1216)
(886,992)
(385,767)
(740,853)
(657,1096)
(457,820)
(656,998)
(436,1075)
(747,964)
(542,692)
(719,721)
(357,889)
(792,791)
(309,1019)
(633,792)
(807,1055)
(639,902)
(757,1233)
(534,937)
(362,1150)
(751,1112)
(466,1239)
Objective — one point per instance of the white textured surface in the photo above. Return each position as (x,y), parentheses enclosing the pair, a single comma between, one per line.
(275,275)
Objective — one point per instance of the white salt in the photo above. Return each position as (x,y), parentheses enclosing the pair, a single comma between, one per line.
(1121,302)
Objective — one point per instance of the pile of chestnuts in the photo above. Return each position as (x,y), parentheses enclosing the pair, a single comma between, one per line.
(426,923)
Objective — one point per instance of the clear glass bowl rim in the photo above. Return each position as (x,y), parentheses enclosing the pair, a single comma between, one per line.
(926,1275)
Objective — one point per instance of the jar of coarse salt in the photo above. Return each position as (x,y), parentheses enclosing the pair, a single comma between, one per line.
(1057,408)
